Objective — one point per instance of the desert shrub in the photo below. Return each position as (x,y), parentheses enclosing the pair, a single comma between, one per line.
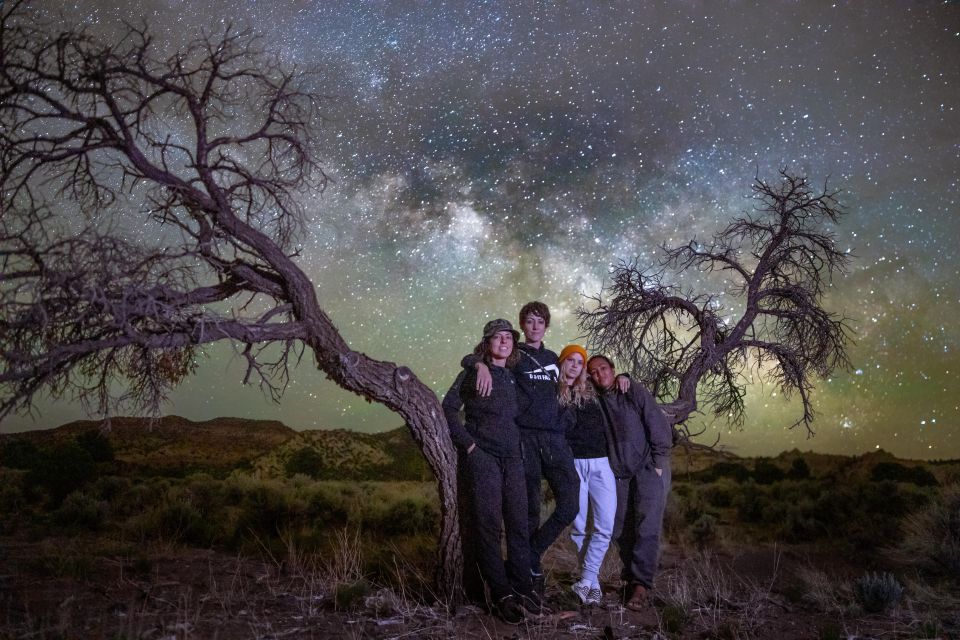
(765,472)
(799,524)
(673,516)
(674,618)
(140,496)
(877,592)
(265,510)
(82,511)
(409,516)
(307,461)
(19,453)
(799,470)
(62,562)
(721,493)
(204,492)
(704,530)
(751,503)
(732,470)
(682,490)
(61,470)
(896,472)
(97,445)
(931,540)
(350,595)
(109,488)
(176,522)
(13,502)
(322,507)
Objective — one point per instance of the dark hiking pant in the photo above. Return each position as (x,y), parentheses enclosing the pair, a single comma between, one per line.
(546,454)
(641,501)
(497,497)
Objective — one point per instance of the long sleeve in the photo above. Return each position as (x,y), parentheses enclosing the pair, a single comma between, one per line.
(470,361)
(452,403)
(659,431)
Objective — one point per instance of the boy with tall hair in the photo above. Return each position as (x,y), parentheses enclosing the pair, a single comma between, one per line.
(546,452)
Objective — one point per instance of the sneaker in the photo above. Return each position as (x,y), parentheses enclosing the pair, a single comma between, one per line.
(594,596)
(508,610)
(582,589)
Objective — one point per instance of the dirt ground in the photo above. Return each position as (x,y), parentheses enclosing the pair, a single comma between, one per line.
(47,590)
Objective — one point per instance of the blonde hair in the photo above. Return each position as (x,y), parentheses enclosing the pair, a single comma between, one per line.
(578,393)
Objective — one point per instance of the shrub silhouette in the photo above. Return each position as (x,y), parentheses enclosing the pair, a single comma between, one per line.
(765,472)
(305,460)
(61,470)
(931,540)
(409,516)
(81,511)
(877,592)
(896,472)
(20,454)
(799,470)
(732,470)
(98,446)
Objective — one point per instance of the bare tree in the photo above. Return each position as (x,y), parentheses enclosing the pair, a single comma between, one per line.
(104,149)
(777,261)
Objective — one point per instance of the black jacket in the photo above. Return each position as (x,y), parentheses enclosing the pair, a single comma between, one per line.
(536,374)
(491,421)
(586,430)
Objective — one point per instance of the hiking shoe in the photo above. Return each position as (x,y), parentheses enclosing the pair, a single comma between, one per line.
(531,602)
(508,610)
(594,596)
(582,589)
(539,584)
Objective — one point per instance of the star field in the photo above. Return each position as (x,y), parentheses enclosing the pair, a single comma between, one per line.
(484,154)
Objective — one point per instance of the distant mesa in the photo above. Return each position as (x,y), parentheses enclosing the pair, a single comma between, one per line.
(175,446)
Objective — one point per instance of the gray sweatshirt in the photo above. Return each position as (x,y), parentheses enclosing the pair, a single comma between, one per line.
(637,430)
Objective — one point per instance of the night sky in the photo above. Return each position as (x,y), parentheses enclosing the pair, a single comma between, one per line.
(484,154)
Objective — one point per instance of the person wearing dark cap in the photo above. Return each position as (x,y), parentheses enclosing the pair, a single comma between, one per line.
(547,455)
(489,444)
(546,452)
(639,440)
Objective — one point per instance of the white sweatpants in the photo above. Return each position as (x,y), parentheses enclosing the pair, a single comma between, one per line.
(598,491)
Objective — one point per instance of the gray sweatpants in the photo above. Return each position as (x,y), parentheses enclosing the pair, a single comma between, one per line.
(641,501)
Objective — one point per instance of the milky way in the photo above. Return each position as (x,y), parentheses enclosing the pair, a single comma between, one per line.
(484,154)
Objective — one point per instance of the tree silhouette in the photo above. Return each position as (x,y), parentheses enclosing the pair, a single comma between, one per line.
(149,205)
(778,260)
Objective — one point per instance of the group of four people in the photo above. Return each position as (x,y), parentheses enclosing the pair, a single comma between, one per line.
(598,439)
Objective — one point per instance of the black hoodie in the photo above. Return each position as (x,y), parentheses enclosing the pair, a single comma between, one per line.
(536,374)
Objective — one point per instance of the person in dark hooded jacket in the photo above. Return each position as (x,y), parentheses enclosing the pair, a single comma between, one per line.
(639,440)
(492,464)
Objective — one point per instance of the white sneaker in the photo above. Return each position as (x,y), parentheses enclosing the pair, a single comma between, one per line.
(594,596)
(582,589)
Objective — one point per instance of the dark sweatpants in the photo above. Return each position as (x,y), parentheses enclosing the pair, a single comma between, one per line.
(641,501)
(496,487)
(546,454)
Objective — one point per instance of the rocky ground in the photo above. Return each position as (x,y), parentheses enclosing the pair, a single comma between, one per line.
(47,590)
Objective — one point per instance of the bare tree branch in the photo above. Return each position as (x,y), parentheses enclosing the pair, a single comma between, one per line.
(782,258)
(148,206)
